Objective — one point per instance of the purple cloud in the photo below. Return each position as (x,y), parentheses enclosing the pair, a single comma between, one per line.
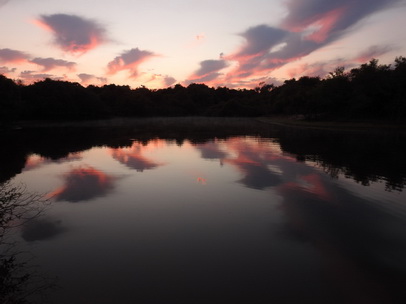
(51,63)
(129,60)
(210,66)
(208,71)
(260,39)
(168,80)
(13,56)
(3,2)
(73,34)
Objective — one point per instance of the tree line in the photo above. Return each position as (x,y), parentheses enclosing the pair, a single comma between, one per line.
(370,91)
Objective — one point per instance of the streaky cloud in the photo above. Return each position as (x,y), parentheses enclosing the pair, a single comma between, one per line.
(374,51)
(324,68)
(51,63)
(129,60)
(33,76)
(13,56)
(74,34)
(316,69)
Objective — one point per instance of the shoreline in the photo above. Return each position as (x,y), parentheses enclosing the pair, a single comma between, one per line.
(373,125)
(289,121)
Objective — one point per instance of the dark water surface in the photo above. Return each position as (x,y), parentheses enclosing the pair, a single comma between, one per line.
(213,211)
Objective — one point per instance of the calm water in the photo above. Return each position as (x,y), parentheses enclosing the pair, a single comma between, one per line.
(230,212)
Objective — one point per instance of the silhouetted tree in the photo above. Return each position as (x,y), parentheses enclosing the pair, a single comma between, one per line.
(371,91)
(54,99)
(9,99)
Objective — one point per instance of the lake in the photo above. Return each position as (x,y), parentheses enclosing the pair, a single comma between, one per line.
(200,210)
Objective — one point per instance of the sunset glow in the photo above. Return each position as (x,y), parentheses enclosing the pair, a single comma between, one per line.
(161,44)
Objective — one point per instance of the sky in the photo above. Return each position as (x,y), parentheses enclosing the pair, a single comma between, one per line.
(160,43)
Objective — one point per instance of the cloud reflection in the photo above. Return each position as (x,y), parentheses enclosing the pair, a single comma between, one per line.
(133,157)
(36,161)
(211,150)
(254,161)
(41,229)
(357,238)
(82,184)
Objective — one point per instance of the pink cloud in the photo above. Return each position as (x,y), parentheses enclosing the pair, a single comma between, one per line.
(308,26)
(266,49)
(129,60)
(324,21)
(73,34)
(318,18)
(325,24)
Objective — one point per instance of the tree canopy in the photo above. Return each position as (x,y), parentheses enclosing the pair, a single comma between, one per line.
(370,91)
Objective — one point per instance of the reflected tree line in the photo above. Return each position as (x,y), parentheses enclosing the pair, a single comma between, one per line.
(336,152)
(370,91)
(362,156)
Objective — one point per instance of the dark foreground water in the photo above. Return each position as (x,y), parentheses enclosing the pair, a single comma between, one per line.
(208,211)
